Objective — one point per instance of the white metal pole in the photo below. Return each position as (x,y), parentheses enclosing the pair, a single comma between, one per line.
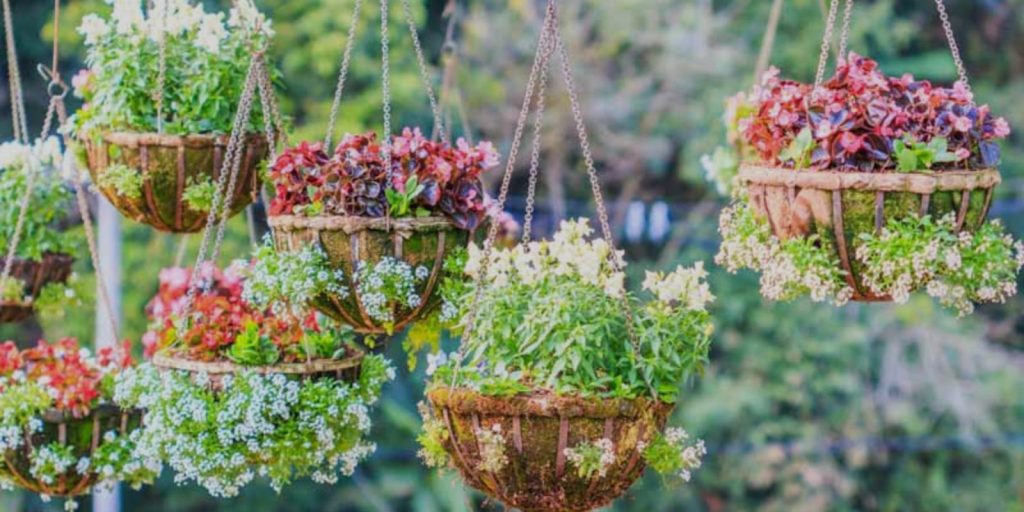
(109,241)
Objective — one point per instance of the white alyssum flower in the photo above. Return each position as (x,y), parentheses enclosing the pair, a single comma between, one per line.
(492,449)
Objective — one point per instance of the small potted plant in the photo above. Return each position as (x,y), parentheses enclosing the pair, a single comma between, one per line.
(556,406)
(868,188)
(155,142)
(60,433)
(242,388)
(386,231)
(42,259)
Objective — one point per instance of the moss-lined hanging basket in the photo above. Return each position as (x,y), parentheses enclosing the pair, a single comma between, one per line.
(537,430)
(169,164)
(350,242)
(53,268)
(842,206)
(83,435)
(344,369)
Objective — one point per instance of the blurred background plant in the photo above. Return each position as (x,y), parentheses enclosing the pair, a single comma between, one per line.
(804,407)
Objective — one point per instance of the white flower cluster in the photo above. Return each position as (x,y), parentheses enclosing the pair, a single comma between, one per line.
(388,284)
(788,269)
(44,155)
(568,253)
(265,425)
(592,459)
(172,18)
(288,282)
(689,456)
(50,461)
(492,449)
(685,286)
(957,269)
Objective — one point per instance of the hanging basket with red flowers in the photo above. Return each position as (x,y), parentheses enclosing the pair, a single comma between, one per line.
(388,233)
(868,187)
(234,387)
(60,433)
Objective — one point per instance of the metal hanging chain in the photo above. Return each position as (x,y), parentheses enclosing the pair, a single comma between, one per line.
(595,184)
(510,165)
(14,75)
(273,123)
(425,72)
(449,82)
(844,35)
(548,50)
(953,47)
(230,166)
(161,77)
(385,84)
(343,73)
(826,42)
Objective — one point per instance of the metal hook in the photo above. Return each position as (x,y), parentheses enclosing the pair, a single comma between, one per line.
(55,87)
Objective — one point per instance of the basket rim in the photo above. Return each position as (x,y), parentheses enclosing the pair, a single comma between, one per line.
(542,403)
(168,361)
(135,139)
(924,182)
(352,223)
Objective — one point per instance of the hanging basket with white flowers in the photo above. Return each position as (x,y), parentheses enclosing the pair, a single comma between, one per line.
(237,390)
(560,393)
(160,95)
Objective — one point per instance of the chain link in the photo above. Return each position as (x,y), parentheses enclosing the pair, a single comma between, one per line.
(844,37)
(273,125)
(826,42)
(161,77)
(421,60)
(954,49)
(231,165)
(547,49)
(506,180)
(343,73)
(595,184)
(14,75)
(385,84)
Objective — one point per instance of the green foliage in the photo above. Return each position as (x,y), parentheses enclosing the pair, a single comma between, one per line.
(125,180)
(11,289)
(251,348)
(400,203)
(799,151)
(198,195)
(914,156)
(550,317)
(48,203)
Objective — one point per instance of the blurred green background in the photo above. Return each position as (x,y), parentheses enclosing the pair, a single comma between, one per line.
(805,407)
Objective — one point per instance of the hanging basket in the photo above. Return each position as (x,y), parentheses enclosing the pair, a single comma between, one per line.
(345,370)
(83,435)
(841,206)
(537,430)
(169,163)
(349,241)
(53,268)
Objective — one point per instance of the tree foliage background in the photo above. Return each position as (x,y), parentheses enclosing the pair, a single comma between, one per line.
(871,407)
